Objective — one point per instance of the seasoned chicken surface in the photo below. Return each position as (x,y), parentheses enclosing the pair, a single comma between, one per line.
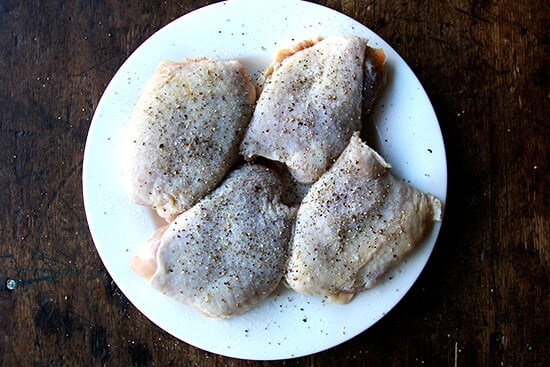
(185,132)
(226,253)
(354,224)
(311,103)
(292,191)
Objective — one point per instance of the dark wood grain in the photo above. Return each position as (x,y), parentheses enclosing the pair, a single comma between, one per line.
(483,299)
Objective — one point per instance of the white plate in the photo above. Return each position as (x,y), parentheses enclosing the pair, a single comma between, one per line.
(286,325)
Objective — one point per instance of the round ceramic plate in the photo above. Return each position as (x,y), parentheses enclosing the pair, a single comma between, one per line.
(404,130)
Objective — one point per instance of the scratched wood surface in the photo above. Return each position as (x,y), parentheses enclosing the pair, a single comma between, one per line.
(482,299)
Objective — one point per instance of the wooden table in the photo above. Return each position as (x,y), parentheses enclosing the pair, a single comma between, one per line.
(483,298)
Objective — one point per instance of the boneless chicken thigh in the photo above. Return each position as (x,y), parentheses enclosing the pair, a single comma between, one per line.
(312,102)
(355,223)
(226,253)
(185,132)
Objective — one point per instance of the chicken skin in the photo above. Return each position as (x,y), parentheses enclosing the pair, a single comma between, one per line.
(311,103)
(226,253)
(185,132)
(354,224)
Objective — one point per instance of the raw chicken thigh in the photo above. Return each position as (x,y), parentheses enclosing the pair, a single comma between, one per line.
(354,224)
(185,132)
(318,208)
(226,253)
(312,102)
